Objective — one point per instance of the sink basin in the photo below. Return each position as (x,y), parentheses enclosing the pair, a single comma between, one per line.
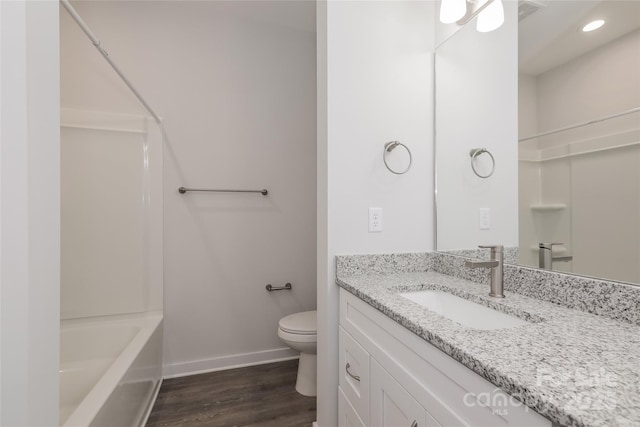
(463,311)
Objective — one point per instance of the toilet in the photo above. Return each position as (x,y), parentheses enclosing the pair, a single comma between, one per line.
(299,331)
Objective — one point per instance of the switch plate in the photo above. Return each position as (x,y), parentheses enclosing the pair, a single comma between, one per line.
(485,218)
(375,220)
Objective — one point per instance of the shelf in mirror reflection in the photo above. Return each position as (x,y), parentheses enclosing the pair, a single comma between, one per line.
(548,207)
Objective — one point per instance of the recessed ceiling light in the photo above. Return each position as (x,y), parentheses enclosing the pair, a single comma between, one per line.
(593,25)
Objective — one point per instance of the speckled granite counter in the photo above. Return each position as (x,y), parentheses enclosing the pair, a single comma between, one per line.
(575,368)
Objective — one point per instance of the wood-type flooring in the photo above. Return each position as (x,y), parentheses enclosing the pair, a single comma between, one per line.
(262,395)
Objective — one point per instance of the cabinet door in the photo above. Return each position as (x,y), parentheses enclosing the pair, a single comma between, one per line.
(391,404)
(347,416)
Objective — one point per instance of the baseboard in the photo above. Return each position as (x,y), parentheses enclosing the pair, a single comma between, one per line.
(233,361)
(314,424)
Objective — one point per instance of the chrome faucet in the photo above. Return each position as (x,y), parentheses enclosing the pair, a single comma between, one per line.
(546,258)
(496,265)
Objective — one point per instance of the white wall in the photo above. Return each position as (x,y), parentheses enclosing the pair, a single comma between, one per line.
(29,213)
(235,85)
(375,84)
(476,107)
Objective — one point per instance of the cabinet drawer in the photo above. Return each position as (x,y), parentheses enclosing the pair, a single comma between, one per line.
(354,374)
(347,416)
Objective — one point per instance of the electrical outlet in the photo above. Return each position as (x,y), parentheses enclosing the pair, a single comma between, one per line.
(375,220)
(485,218)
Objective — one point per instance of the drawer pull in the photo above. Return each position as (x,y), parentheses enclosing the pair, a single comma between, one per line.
(414,423)
(355,377)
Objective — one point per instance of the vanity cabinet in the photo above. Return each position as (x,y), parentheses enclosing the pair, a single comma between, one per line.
(390,377)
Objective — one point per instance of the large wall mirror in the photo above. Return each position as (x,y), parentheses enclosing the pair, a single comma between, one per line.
(575,154)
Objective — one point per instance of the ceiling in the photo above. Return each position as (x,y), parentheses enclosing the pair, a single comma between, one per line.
(295,14)
(552,35)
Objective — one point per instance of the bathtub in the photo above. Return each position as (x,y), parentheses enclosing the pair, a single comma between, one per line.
(110,369)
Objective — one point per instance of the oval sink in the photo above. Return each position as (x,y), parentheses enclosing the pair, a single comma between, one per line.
(463,311)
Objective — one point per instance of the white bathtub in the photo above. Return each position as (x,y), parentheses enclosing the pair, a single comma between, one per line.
(110,370)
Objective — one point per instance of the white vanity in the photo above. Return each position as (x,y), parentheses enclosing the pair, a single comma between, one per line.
(391,377)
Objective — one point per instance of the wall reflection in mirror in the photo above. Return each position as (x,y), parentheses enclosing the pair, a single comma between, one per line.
(476,108)
(579,138)
(571,186)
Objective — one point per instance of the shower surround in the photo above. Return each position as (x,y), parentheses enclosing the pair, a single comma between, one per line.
(111,268)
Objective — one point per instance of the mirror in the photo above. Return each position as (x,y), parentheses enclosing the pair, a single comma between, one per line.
(579,186)
(579,183)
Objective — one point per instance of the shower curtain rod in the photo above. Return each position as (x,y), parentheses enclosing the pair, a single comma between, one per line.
(106,56)
(602,119)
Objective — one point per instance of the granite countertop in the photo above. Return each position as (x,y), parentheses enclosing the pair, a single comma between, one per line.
(575,368)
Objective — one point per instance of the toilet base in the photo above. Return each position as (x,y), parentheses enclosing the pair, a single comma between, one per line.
(306,380)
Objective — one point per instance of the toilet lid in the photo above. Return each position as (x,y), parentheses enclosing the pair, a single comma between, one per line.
(300,323)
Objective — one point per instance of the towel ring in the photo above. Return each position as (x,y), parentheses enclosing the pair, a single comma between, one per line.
(389,147)
(475,152)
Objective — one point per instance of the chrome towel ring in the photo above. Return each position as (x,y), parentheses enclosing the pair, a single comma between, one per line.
(389,147)
(475,152)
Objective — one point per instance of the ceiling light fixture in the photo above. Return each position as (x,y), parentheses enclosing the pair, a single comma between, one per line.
(593,25)
(452,10)
(491,18)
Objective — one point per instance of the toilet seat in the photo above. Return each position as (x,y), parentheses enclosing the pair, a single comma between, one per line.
(303,323)
(297,338)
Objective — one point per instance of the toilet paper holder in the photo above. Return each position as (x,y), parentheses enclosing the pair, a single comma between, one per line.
(270,288)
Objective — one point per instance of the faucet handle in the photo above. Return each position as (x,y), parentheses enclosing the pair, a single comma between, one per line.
(549,245)
(494,248)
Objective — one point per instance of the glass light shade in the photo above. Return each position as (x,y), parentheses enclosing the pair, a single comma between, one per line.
(452,10)
(491,18)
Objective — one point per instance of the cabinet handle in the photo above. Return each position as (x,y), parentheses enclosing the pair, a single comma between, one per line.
(355,377)
(414,423)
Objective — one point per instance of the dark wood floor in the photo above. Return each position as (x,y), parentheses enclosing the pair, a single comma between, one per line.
(261,395)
